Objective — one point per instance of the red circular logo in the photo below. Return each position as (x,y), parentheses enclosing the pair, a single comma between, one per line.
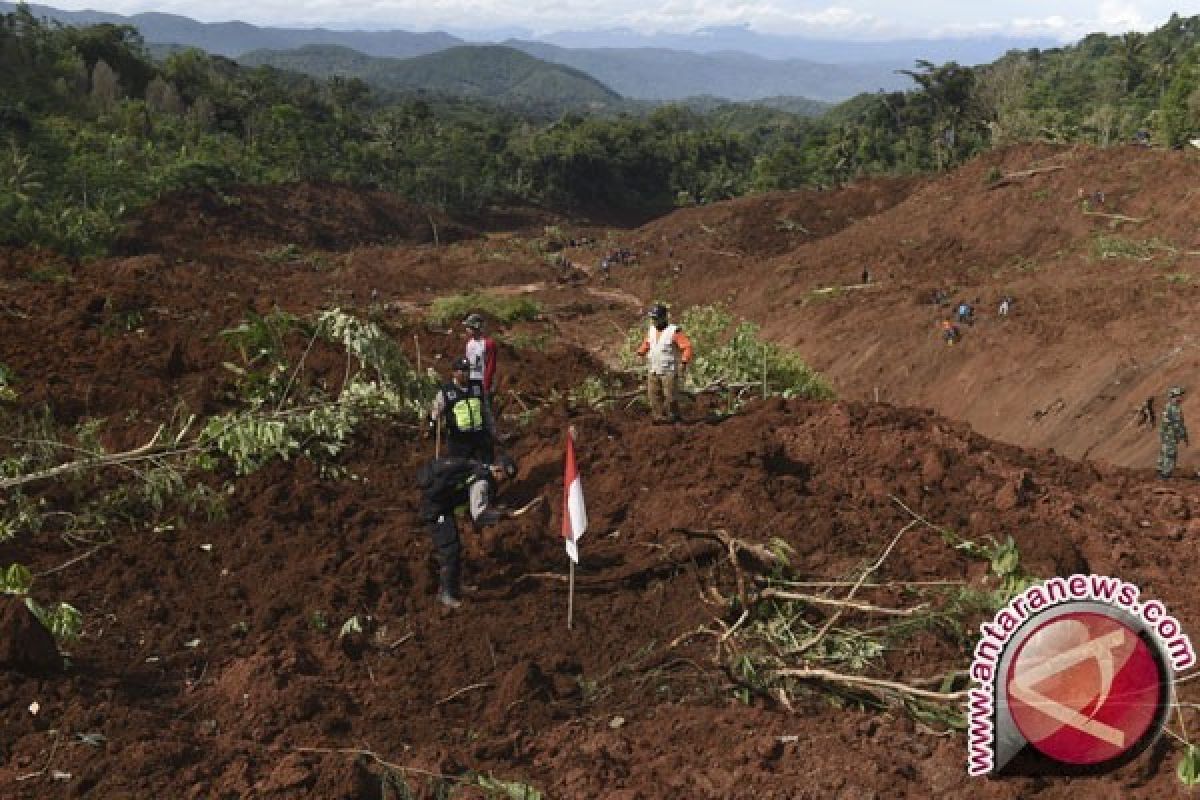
(1084,688)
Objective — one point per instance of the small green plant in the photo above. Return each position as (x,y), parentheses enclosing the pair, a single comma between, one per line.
(22,514)
(7,393)
(318,621)
(1180,278)
(506,308)
(283,254)
(120,318)
(536,341)
(1105,247)
(510,790)
(824,294)
(62,619)
(594,393)
(1188,769)
(352,626)
(992,175)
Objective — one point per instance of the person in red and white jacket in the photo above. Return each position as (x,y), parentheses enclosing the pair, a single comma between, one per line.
(481,353)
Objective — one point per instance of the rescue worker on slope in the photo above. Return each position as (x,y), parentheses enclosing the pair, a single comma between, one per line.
(1171,432)
(481,354)
(448,486)
(465,414)
(668,353)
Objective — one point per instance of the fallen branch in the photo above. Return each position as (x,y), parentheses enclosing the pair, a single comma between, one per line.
(49,761)
(703,630)
(112,459)
(358,751)
(1013,177)
(532,504)
(829,623)
(517,397)
(918,518)
(873,684)
(461,692)
(733,546)
(843,288)
(149,451)
(676,557)
(1120,217)
(73,561)
(725,253)
(764,555)
(865,608)
(885,585)
(546,576)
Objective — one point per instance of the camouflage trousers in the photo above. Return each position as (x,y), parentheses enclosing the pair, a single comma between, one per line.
(1166,457)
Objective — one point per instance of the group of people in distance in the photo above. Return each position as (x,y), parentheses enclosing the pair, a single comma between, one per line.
(964,314)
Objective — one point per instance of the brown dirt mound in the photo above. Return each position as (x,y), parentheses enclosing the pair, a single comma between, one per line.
(308,215)
(770,224)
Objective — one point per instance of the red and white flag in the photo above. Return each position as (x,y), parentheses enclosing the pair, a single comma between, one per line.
(574,518)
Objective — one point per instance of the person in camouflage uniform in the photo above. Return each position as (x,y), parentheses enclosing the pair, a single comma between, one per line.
(1171,432)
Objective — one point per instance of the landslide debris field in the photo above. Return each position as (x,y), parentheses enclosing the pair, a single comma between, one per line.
(276,634)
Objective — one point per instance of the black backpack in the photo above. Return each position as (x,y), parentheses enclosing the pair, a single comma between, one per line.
(441,482)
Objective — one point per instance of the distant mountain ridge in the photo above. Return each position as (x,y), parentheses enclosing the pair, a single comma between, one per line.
(235,38)
(725,39)
(666,75)
(734,63)
(501,75)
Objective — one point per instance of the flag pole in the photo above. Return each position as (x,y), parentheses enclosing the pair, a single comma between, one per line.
(571,596)
(570,561)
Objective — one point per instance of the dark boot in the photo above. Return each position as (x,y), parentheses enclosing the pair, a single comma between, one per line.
(448,590)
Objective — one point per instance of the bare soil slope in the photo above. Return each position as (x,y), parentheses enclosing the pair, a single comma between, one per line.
(210,663)
(1105,289)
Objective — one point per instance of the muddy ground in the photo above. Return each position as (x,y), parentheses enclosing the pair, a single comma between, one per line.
(210,663)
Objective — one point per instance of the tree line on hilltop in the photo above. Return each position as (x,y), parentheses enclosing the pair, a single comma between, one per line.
(92,127)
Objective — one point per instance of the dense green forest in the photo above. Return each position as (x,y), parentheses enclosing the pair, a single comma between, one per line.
(91,127)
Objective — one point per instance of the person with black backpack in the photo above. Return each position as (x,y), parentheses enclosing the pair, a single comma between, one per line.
(449,485)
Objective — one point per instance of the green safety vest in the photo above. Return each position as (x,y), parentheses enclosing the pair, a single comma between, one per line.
(464,408)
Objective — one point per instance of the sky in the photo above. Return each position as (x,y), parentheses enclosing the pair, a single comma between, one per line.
(872,20)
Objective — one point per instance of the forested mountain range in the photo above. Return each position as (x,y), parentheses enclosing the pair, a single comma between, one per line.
(650,74)
(501,75)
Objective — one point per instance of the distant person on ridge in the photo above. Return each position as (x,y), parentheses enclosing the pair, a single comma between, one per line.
(965,312)
(1171,432)
(448,486)
(1145,414)
(950,333)
(668,352)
